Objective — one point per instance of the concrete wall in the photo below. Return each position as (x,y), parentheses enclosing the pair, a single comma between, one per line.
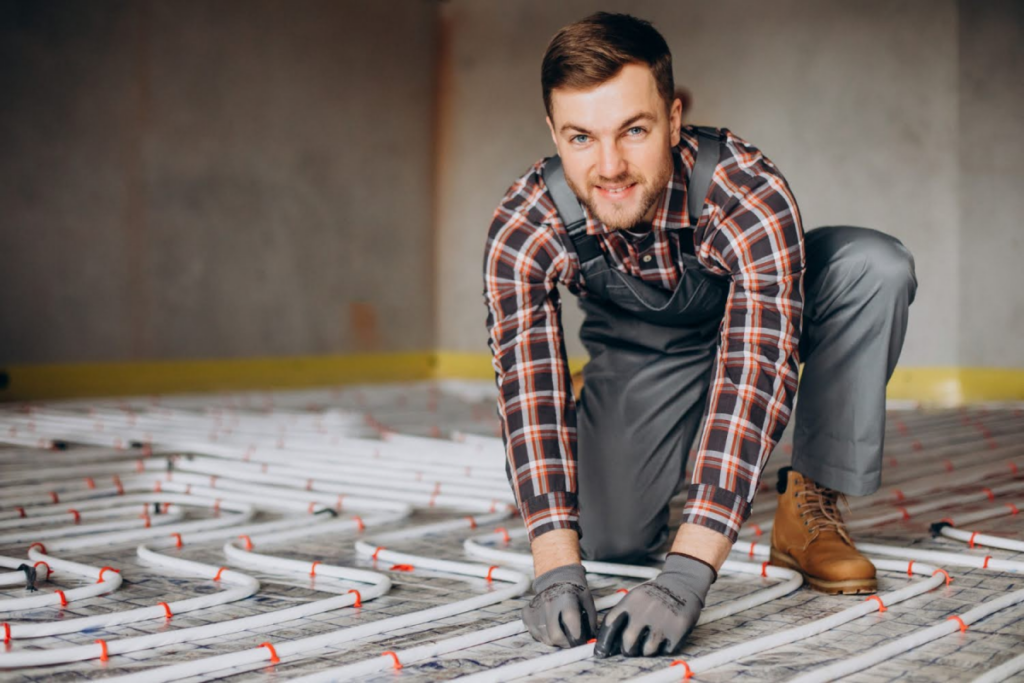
(234,178)
(992,183)
(215,178)
(857,103)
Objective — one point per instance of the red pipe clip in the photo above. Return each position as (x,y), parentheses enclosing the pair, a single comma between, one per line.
(398,664)
(167,609)
(687,674)
(490,571)
(312,569)
(505,537)
(104,570)
(274,659)
(63,598)
(359,598)
(248,541)
(881,605)
(963,626)
(104,655)
(177,540)
(78,517)
(944,573)
(219,572)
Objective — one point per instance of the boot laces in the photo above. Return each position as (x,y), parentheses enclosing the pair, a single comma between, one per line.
(821,509)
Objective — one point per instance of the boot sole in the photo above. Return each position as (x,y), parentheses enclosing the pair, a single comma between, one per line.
(844,587)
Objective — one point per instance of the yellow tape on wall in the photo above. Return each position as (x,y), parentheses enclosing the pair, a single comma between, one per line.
(937,386)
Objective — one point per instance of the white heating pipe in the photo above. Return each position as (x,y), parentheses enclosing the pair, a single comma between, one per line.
(792,635)
(68,515)
(301,647)
(170,516)
(243,587)
(974,538)
(380,585)
(1002,672)
(475,547)
(111,582)
(893,648)
(941,557)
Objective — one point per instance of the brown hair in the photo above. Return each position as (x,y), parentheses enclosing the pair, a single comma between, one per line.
(591,51)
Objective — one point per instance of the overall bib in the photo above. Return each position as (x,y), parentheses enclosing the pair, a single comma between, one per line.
(652,356)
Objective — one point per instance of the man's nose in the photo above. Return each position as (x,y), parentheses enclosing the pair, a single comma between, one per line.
(612,163)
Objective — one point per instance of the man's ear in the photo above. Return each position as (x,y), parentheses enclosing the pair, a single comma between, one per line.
(675,121)
(551,127)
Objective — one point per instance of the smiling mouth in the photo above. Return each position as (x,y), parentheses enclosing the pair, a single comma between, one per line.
(617,190)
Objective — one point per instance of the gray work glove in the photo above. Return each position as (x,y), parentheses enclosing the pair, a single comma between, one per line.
(655,617)
(562,611)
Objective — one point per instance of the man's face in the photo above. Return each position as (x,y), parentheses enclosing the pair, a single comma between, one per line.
(615,141)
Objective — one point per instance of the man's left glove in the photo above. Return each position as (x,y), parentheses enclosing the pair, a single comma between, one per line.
(655,617)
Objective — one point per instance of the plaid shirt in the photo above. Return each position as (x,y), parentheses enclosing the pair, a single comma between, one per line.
(749,231)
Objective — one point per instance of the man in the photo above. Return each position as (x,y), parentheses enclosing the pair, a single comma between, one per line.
(686,250)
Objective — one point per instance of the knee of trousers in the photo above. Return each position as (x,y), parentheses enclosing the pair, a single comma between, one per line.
(875,263)
(615,545)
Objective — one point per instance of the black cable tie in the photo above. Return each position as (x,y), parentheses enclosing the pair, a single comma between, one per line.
(30,577)
(937,527)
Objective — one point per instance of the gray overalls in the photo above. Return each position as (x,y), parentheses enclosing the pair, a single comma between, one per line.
(652,355)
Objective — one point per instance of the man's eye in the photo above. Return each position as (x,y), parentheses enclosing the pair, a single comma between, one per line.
(636,130)
(580,139)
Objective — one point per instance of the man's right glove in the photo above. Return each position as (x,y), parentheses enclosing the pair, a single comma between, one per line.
(562,611)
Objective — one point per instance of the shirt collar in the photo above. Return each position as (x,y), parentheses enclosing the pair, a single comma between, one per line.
(671,212)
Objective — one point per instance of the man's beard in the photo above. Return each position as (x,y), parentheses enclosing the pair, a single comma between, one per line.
(622,217)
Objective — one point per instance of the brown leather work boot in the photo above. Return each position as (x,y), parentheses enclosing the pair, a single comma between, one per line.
(809,536)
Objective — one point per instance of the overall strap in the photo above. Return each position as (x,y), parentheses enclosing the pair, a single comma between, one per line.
(570,211)
(575,220)
(709,150)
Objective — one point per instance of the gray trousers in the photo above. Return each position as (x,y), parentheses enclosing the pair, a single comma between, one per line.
(644,396)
